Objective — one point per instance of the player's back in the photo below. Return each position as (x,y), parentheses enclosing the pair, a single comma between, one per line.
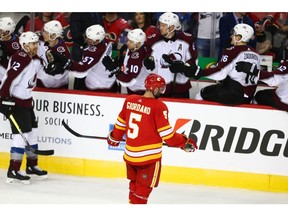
(144,117)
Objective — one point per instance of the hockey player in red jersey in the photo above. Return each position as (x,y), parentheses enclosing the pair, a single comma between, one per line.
(179,46)
(9,43)
(16,99)
(144,120)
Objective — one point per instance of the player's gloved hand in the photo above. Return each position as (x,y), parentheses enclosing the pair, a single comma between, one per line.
(7,106)
(65,62)
(181,67)
(149,63)
(54,68)
(174,66)
(246,67)
(111,65)
(111,140)
(190,145)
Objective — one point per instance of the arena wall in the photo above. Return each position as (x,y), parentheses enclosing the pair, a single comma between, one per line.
(241,146)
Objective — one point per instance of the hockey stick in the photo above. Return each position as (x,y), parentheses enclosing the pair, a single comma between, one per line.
(35,151)
(66,126)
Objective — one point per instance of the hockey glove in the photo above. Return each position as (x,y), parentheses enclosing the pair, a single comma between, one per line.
(149,63)
(65,62)
(7,106)
(193,71)
(190,145)
(246,67)
(181,67)
(174,66)
(111,140)
(111,65)
(54,68)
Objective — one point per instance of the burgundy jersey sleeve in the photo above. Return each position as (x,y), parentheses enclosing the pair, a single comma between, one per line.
(192,48)
(18,62)
(9,47)
(92,55)
(227,57)
(281,70)
(150,40)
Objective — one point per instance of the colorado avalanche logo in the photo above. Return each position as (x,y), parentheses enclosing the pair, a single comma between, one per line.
(32,82)
(15,45)
(173,56)
(60,49)
(23,54)
(92,48)
(135,55)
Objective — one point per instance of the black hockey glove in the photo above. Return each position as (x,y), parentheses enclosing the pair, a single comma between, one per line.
(246,67)
(174,66)
(65,62)
(181,67)
(111,65)
(54,68)
(7,106)
(149,63)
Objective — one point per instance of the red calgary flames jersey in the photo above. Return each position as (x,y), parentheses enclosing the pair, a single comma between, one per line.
(145,122)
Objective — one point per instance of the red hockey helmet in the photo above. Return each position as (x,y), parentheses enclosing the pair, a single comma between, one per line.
(154,81)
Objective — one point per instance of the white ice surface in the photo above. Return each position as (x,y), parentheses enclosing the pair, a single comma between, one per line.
(75,193)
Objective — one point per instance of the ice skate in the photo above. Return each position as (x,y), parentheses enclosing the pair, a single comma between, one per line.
(17,177)
(36,171)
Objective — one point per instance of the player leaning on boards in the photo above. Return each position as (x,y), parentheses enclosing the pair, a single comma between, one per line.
(233,87)
(179,46)
(9,43)
(130,73)
(97,78)
(16,99)
(144,120)
(276,97)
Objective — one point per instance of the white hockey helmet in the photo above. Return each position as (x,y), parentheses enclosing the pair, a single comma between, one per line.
(28,37)
(246,31)
(170,19)
(53,27)
(95,32)
(137,36)
(7,24)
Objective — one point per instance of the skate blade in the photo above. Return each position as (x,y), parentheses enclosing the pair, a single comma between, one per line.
(38,178)
(17,181)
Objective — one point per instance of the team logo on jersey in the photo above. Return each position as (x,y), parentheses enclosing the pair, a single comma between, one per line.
(92,48)
(135,55)
(173,56)
(23,54)
(151,36)
(32,82)
(15,45)
(60,49)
